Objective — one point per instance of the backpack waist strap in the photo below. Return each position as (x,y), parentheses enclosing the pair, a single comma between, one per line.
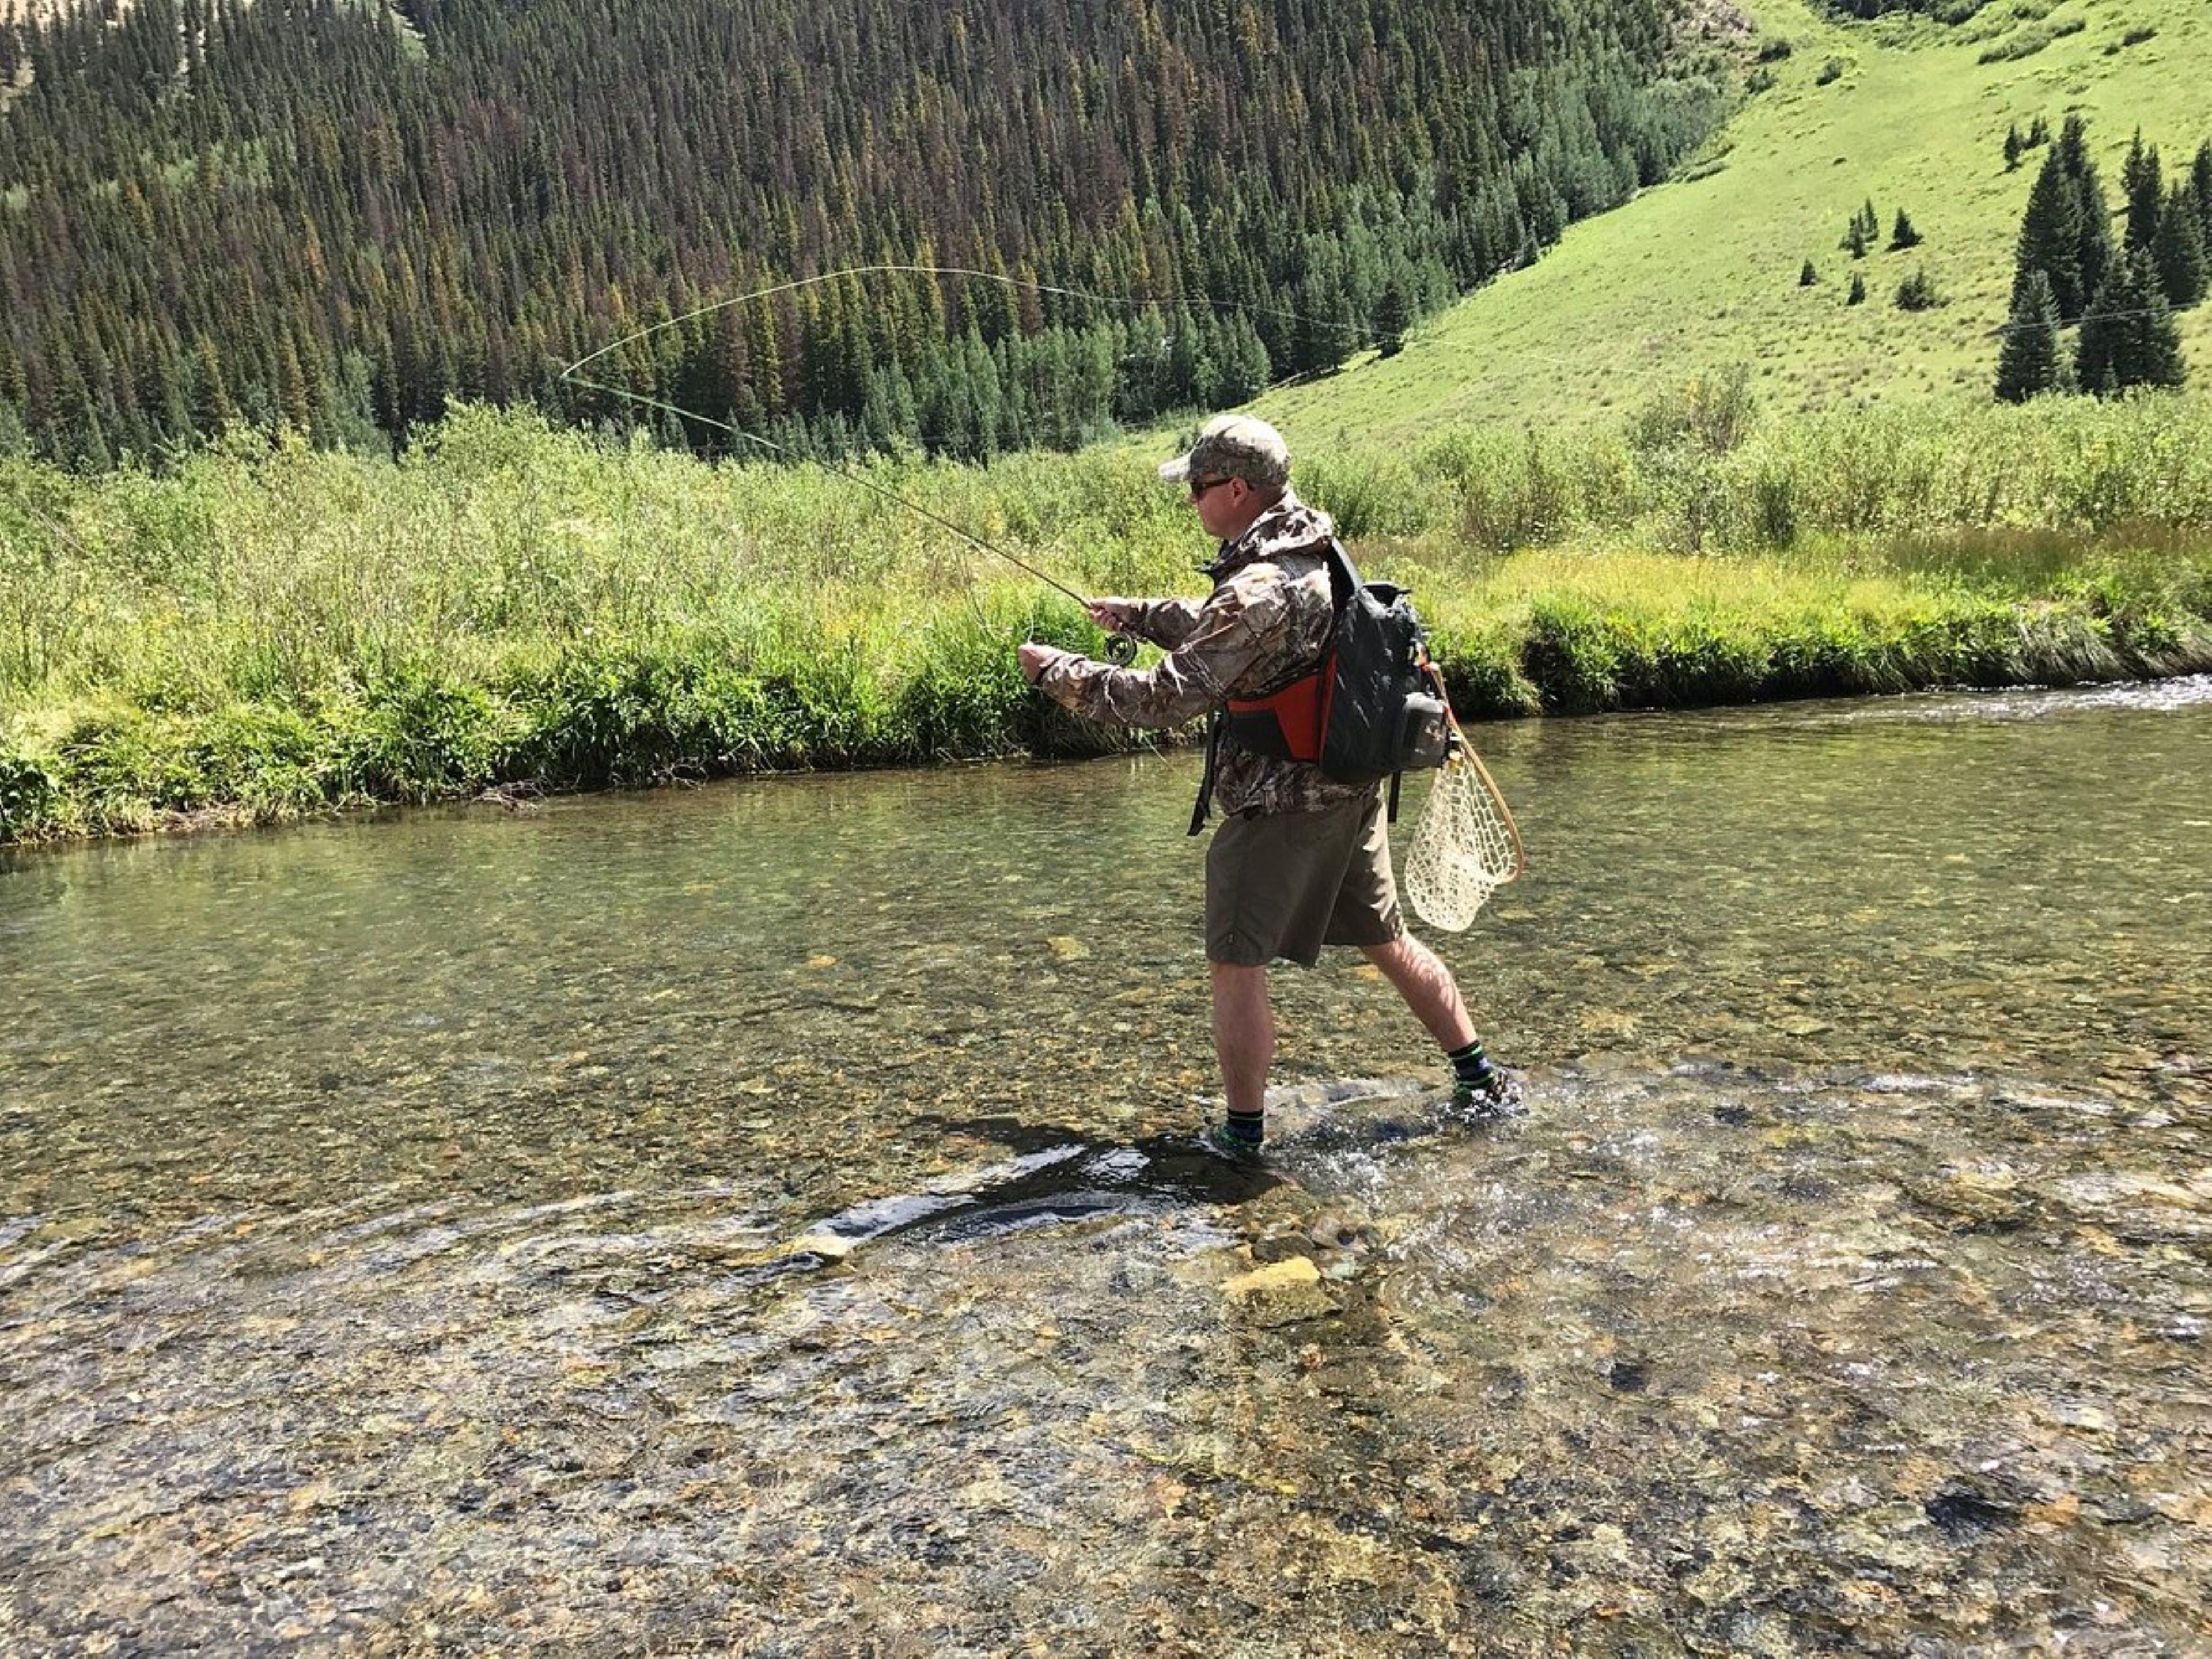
(1289,722)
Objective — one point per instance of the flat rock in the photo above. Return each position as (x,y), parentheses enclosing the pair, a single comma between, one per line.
(1281,1293)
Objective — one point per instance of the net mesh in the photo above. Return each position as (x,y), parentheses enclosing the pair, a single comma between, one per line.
(1464,848)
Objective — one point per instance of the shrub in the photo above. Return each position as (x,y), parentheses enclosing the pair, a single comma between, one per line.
(1917,291)
(2029,41)
(1522,500)
(29,792)
(1712,411)
(1831,70)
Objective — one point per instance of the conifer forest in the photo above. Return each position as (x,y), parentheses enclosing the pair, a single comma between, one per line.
(338,217)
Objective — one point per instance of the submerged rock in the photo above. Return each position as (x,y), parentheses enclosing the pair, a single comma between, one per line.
(1281,1293)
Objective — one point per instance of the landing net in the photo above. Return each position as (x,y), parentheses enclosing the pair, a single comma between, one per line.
(1465,847)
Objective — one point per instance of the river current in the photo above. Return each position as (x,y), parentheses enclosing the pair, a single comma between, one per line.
(766,1218)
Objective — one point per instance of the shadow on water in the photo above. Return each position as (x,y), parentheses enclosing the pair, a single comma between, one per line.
(1059,1181)
(1055,1179)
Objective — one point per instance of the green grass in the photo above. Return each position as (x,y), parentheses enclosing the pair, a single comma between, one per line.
(1703,272)
(261,635)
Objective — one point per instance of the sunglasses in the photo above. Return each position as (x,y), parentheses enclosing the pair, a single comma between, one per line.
(1200,486)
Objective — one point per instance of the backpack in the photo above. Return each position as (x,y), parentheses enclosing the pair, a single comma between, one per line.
(1372,708)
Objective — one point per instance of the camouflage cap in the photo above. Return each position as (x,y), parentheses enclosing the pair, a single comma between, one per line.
(1234,447)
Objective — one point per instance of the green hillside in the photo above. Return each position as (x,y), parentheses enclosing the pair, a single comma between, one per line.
(1701,273)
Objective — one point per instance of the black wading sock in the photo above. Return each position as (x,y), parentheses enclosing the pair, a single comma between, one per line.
(1470,1064)
(1246,1129)
(1479,1084)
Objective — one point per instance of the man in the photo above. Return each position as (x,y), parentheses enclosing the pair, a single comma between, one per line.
(1299,860)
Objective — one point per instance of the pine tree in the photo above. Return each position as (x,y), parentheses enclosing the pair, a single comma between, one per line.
(212,409)
(2030,360)
(2184,271)
(2050,235)
(2128,337)
(1902,234)
(1806,275)
(1857,295)
(2038,132)
(2012,146)
(2145,191)
(2093,252)
(1394,314)
(294,401)
(2100,342)
(1917,292)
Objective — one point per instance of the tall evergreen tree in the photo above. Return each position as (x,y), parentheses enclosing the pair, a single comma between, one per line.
(2128,337)
(2031,360)
(2145,191)
(2184,270)
(2093,255)
(1393,313)
(2050,236)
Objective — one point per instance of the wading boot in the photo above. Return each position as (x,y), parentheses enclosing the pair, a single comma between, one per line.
(1481,1087)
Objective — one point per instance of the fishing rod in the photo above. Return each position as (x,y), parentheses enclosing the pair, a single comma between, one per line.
(1120,649)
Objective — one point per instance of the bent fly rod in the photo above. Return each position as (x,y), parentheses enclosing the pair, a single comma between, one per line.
(1120,649)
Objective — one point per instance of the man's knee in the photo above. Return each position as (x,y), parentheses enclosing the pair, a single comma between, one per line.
(1239,978)
(1405,948)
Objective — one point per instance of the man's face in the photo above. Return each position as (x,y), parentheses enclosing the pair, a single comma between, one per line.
(1222,506)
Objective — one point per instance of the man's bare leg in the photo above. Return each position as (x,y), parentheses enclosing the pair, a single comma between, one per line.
(1428,986)
(1243,1034)
(1433,994)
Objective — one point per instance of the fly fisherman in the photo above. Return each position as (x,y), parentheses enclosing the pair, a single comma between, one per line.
(1299,861)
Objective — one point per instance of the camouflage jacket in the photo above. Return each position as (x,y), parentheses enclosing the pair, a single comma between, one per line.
(1263,625)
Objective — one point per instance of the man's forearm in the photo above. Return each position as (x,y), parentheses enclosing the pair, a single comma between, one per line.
(1158,696)
(1165,623)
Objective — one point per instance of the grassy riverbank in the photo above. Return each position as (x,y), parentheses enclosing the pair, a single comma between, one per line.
(257,635)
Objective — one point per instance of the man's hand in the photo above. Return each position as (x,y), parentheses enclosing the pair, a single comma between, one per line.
(1113,615)
(1034,659)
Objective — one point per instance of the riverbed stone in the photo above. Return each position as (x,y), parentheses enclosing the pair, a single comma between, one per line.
(1281,1293)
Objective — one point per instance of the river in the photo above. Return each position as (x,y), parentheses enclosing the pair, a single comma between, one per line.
(764,1217)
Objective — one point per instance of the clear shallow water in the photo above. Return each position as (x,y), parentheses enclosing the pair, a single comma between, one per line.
(764,1213)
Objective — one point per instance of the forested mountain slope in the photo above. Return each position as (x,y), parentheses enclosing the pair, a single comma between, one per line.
(340,216)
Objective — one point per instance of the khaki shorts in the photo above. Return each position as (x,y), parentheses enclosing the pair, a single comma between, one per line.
(1286,883)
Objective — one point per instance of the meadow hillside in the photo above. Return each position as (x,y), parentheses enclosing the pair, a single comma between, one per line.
(1703,272)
